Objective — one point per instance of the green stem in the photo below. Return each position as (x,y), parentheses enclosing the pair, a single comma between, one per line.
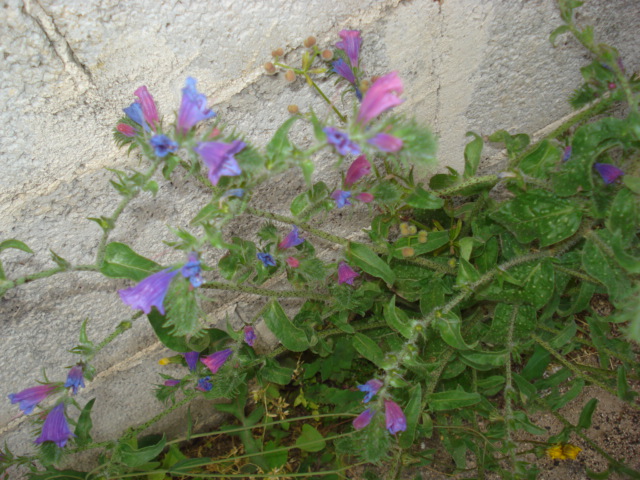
(9,284)
(509,391)
(577,274)
(133,432)
(121,328)
(343,119)
(446,192)
(322,296)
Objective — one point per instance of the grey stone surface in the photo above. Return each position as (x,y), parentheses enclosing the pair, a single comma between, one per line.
(70,66)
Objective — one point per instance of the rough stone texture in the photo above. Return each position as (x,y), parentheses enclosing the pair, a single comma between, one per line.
(70,66)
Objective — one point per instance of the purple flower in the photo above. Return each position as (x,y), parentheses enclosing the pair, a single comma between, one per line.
(134,112)
(219,157)
(395,419)
(30,397)
(341,197)
(126,130)
(363,419)
(204,384)
(344,70)
(358,169)
(341,141)
(371,388)
(150,292)
(386,142)
(350,45)
(567,153)
(193,107)
(346,274)
(364,197)
(291,240)
(266,259)
(149,110)
(192,360)
(55,428)
(75,378)
(172,382)
(191,270)
(163,145)
(234,192)
(250,335)
(380,97)
(609,173)
(216,360)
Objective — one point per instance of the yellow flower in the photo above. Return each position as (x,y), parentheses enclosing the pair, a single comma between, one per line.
(563,451)
(164,361)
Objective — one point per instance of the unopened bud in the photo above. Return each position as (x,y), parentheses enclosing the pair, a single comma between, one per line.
(422,236)
(612,86)
(327,55)
(408,252)
(278,52)
(214,133)
(290,76)
(404,228)
(164,361)
(270,68)
(293,109)
(412,230)
(309,42)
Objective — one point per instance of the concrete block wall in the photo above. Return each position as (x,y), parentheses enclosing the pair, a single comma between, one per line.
(70,66)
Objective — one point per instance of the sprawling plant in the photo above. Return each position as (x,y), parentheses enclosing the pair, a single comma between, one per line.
(438,324)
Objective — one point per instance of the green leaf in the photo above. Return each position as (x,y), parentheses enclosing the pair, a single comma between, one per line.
(182,312)
(120,261)
(177,344)
(310,440)
(366,259)
(472,152)
(601,266)
(84,425)
(539,214)
(539,162)
(632,183)
(523,324)
(56,474)
(424,200)
(292,337)
(558,31)
(449,327)
(17,244)
(483,361)
(623,218)
(624,392)
(275,460)
(135,457)
(397,319)
(434,241)
(412,413)
(368,349)
(206,213)
(275,373)
(279,148)
(451,399)
(584,422)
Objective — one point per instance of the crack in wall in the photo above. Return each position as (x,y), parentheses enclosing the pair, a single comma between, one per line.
(80,73)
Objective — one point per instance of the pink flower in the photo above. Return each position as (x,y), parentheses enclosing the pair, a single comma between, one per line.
(386,142)
(293,262)
(358,169)
(149,110)
(126,130)
(350,44)
(346,274)
(380,97)
(291,240)
(609,173)
(395,419)
(216,360)
(363,419)
(219,157)
(364,197)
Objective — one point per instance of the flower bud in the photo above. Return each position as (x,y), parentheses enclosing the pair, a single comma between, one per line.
(412,230)
(327,55)
(309,42)
(290,76)
(404,228)
(164,361)
(408,252)
(278,52)
(422,236)
(270,68)
(293,109)
(612,86)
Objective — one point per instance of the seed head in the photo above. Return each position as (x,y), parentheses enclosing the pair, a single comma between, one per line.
(327,55)
(293,109)
(278,52)
(408,252)
(290,76)
(309,42)
(270,68)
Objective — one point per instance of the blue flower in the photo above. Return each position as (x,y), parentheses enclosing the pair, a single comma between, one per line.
(193,107)
(55,428)
(341,141)
(371,388)
(363,419)
(30,397)
(192,360)
(204,384)
(266,259)
(609,173)
(219,157)
(134,112)
(344,70)
(216,360)
(75,379)
(249,335)
(566,155)
(163,145)
(191,270)
(150,292)
(341,197)
(291,240)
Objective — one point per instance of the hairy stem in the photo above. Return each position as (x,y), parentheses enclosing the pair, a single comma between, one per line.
(265,292)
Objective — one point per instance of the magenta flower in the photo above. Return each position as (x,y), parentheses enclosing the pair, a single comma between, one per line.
(250,335)
(55,427)
(364,197)
(350,45)
(291,240)
(126,130)
(30,397)
(204,384)
(192,360)
(609,173)
(386,142)
(163,145)
(371,388)
(341,197)
(293,262)
(192,269)
(216,360)
(134,112)
(344,70)
(380,97)
(75,379)
(219,157)
(346,274)
(172,382)
(358,169)
(150,292)
(566,155)
(193,107)
(149,111)
(395,419)
(363,419)
(341,141)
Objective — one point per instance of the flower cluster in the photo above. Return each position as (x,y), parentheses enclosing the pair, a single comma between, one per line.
(350,45)
(358,169)
(394,417)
